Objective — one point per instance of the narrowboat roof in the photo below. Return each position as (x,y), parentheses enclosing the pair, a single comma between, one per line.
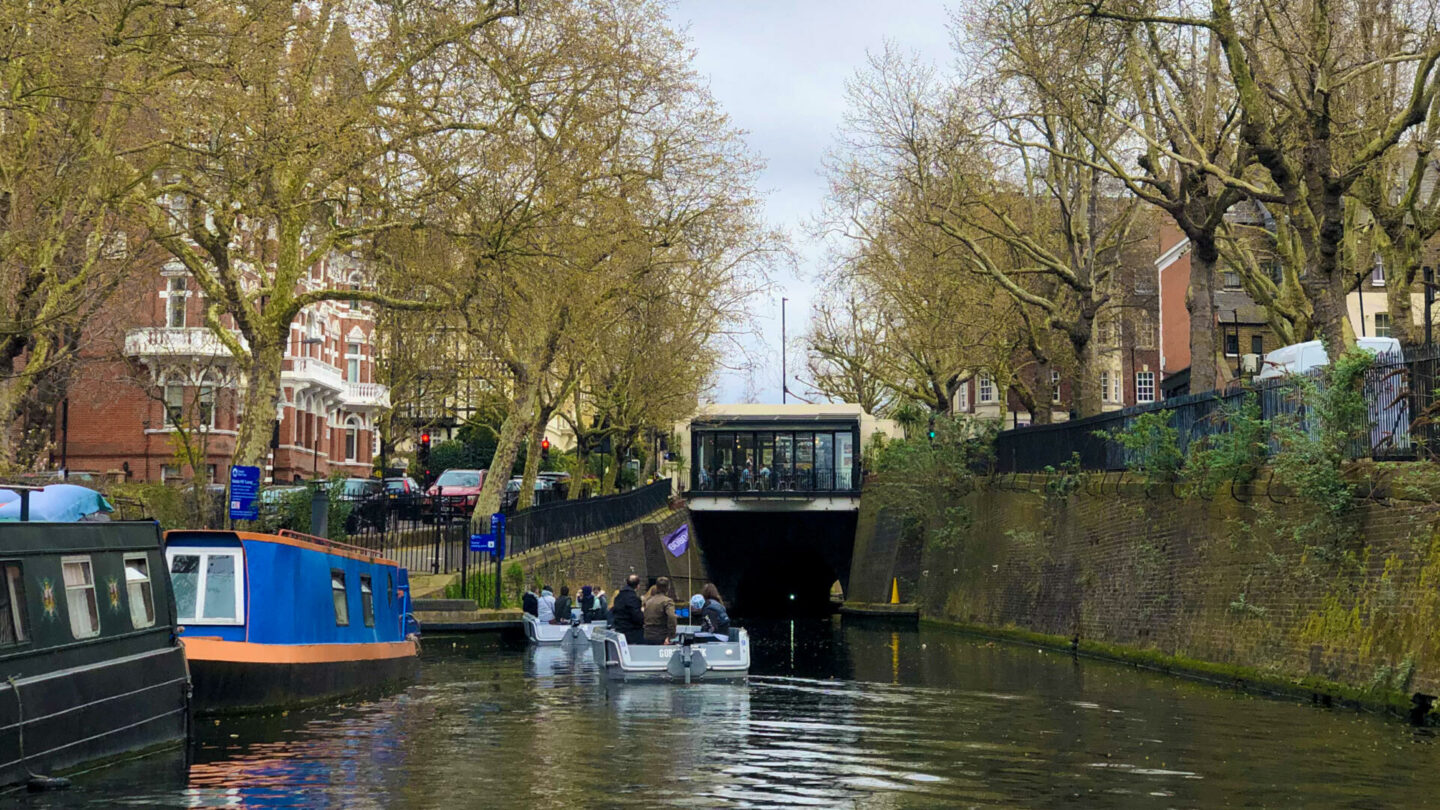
(61,538)
(285,538)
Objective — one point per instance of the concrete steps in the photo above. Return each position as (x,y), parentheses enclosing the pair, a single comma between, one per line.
(464,616)
(427,586)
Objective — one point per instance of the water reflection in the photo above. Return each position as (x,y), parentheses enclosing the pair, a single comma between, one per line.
(848,716)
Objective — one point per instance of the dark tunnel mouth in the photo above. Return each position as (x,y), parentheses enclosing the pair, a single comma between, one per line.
(776,564)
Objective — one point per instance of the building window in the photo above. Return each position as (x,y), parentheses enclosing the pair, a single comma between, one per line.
(1232,343)
(1105,332)
(1257,344)
(354,285)
(1115,388)
(1144,330)
(1231,280)
(205,406)
(80,597)
(352,440)
(962,397)
(987,388)
(175,297)
(174,404)
(337,593)
(1104,386)
(169,473)
(14,624)
(137,586)
(1144,386)
(367,601)
(352,362)
(1054,386)
(207,586)
(1382,324)
(1377,276)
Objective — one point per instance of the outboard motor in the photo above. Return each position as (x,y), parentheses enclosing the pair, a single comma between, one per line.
(687,663)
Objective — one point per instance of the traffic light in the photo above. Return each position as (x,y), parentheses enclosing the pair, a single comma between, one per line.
(545,449)
(422,456)
(931,434)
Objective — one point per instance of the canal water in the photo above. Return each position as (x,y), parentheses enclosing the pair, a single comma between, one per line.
(834,715)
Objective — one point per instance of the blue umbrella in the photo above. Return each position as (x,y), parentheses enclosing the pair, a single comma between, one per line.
(63,503)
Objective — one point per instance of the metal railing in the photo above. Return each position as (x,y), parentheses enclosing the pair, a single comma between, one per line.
(564,520)
(1400,392)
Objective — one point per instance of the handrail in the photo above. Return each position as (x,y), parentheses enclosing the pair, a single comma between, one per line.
(327,542)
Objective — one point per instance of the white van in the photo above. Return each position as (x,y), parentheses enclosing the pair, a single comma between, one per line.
(1299,358)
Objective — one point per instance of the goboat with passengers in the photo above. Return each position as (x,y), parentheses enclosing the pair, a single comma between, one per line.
(277,620)
(574,631)
(690,657)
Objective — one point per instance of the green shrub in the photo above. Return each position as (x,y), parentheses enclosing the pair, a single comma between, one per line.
(1235,455)
(1151,444)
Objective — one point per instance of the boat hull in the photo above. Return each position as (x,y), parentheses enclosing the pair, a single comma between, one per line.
(237,677)
(718,661)
(539,633)
(92,713)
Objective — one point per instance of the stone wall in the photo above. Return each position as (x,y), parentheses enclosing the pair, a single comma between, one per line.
(1220,582)
(607,558)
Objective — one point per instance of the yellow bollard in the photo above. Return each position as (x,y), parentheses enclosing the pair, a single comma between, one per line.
(895,591)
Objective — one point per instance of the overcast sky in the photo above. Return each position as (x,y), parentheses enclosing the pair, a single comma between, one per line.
(779,68)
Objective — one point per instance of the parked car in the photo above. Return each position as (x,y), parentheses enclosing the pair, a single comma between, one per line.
(369,505)
(453,495)
(405,497)
(511,497)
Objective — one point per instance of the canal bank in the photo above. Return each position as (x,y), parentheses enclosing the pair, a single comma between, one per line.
(1225,590)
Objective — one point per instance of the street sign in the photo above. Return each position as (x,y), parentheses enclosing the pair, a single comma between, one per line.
(244,493)
(482,542)
(497,528)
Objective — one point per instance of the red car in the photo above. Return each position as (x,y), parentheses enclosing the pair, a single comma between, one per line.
(453,495)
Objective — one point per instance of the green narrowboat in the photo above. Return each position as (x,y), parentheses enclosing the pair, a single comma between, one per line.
(90,661)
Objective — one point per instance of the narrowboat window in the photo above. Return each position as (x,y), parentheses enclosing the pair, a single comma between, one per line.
(367,601)
(390,587)
(207,586)
(219,587)
(137,586)
(337,590)
(80,597)
(14,626)
(185,581)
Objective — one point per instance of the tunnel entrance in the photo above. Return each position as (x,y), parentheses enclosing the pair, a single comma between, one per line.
(770,564)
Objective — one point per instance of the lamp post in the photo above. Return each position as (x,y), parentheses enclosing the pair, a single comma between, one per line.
(784,376)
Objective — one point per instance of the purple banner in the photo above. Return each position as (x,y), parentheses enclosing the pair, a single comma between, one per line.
(679,540)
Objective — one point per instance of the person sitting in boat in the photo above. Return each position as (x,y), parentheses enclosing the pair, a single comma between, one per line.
(627,617)
(530,602)
(659,613)
(714,620)
(545,611)
(592,603)
(562,607)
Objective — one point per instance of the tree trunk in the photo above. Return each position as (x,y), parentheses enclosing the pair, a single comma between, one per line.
(261,394)
(1204,360)
(1402,258)
(607,478)
(582,462)
(1082,340)
(516,424)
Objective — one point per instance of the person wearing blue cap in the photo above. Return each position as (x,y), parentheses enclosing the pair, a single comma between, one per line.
(714,620)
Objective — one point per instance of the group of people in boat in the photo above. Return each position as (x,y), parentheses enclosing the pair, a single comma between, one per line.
(642,619)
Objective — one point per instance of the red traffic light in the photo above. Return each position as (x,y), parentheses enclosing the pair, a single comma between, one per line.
(545,443)
(425,438)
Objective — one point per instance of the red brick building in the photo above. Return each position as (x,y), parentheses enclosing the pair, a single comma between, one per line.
(155,380)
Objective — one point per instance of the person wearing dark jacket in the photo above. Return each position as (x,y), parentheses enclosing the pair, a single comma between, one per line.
(659,612)
(530,602)
(627,617)
(562,606)
(714,620)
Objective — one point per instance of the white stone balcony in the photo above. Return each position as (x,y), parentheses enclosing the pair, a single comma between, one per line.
(186,343)
(313,374)
(365,396)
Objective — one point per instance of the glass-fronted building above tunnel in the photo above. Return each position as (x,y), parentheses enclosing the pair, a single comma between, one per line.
(775,454)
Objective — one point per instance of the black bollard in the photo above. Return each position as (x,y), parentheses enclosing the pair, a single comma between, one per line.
(320,513)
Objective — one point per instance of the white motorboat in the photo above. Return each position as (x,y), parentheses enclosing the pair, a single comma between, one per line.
(546,633)
(688,660)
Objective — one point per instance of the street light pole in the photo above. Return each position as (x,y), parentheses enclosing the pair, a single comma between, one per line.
(784,377)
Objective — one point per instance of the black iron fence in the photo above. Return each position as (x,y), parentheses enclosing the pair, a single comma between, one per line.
(553,522)
(1400,392)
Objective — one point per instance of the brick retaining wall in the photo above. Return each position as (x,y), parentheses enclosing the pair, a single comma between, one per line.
(1212,581)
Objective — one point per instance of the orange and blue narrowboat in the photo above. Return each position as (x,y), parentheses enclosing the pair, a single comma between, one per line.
(277,620)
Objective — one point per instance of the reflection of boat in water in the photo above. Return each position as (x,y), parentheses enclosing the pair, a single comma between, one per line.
(555,661)
(685,662)
(285,619)
(545,633)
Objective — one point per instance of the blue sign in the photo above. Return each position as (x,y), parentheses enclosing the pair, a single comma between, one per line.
(244,493)
(497,528)
(482,542)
